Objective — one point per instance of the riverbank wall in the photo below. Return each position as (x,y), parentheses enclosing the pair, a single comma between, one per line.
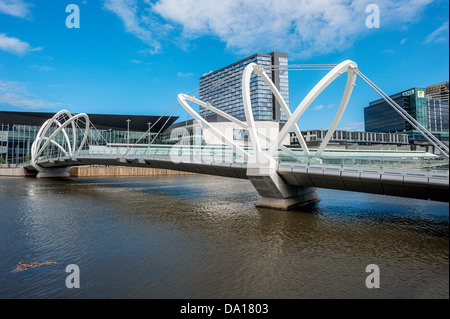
(118,171)
(88,171)
(16,172)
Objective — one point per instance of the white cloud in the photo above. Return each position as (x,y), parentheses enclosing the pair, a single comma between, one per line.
(16,94)
(16,8)
(12,86)
(321,107)
(150,51)
(438,35)
(139,21)
(318,107)
(42,67)
(303,28)
(388,51)
(185,75)
(56,85)
(14,45)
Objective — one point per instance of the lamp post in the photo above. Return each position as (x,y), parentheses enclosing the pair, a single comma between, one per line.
(12,144)
(110,137)
(128,133)
(149,133)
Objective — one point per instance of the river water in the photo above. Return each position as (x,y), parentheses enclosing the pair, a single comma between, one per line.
(202,237)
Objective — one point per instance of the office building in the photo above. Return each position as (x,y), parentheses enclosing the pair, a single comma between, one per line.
(18,131)
(429,111)
(223,89)
(379,116)
(438,92)
(437,104)
(437,115)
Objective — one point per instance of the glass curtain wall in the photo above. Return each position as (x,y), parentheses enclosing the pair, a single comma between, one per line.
(16,140)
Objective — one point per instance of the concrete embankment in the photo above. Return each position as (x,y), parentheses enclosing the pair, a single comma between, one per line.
(122,171)
(16,172)
(81,171)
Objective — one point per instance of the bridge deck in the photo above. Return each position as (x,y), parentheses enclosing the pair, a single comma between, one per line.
(416,178)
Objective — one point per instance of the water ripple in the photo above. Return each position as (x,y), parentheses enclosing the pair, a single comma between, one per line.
(202,237)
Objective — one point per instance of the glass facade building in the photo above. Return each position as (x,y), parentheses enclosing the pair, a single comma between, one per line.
(223,88)
(430,111)
(379,116)
(16,141)
(18,131)
(438,92)
(437,115)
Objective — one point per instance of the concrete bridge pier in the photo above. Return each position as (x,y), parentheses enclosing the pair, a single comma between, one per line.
(274,192)
(53,172)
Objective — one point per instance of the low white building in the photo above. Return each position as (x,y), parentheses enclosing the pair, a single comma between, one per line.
(315,137)
(190,133)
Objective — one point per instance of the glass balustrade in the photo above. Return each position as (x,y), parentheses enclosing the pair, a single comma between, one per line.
(220,154)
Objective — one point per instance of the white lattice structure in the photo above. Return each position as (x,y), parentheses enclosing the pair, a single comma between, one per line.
(57,125)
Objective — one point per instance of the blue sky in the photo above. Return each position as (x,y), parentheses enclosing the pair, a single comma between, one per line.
(135,56)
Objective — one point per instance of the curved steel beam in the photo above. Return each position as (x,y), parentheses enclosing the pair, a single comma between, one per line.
(231,118)
(37,147)
(351,79)
(260,71)
(248,107)
(182,99)
(346,66)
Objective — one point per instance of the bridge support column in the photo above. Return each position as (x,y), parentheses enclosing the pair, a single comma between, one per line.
(53,172)
(274,192)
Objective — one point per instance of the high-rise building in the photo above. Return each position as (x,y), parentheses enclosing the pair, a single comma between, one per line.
(430,112)
(223,88)
(379,116)
(437,115)
(438,91)
(437,104)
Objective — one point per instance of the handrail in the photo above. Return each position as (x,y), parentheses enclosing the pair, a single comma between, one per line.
(217,154)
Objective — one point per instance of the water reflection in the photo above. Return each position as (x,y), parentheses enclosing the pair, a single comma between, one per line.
(202,237)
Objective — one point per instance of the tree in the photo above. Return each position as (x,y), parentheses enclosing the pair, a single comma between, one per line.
(2,160)
(27,158)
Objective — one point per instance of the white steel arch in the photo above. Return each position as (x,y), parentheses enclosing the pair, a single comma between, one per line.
(253,67)
(61,119)
(182,98)
(347,66)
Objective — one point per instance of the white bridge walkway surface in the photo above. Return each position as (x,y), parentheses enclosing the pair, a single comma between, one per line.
(284,177)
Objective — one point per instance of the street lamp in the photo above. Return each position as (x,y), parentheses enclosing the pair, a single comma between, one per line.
(12,145)
(149,133)
(128,133)
(110,137)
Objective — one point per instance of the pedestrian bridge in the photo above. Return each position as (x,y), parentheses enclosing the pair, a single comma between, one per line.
(409,174)
(283,177)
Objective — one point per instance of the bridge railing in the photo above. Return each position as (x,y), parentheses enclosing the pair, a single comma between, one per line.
(175,153)
(400,161)
(221,154)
